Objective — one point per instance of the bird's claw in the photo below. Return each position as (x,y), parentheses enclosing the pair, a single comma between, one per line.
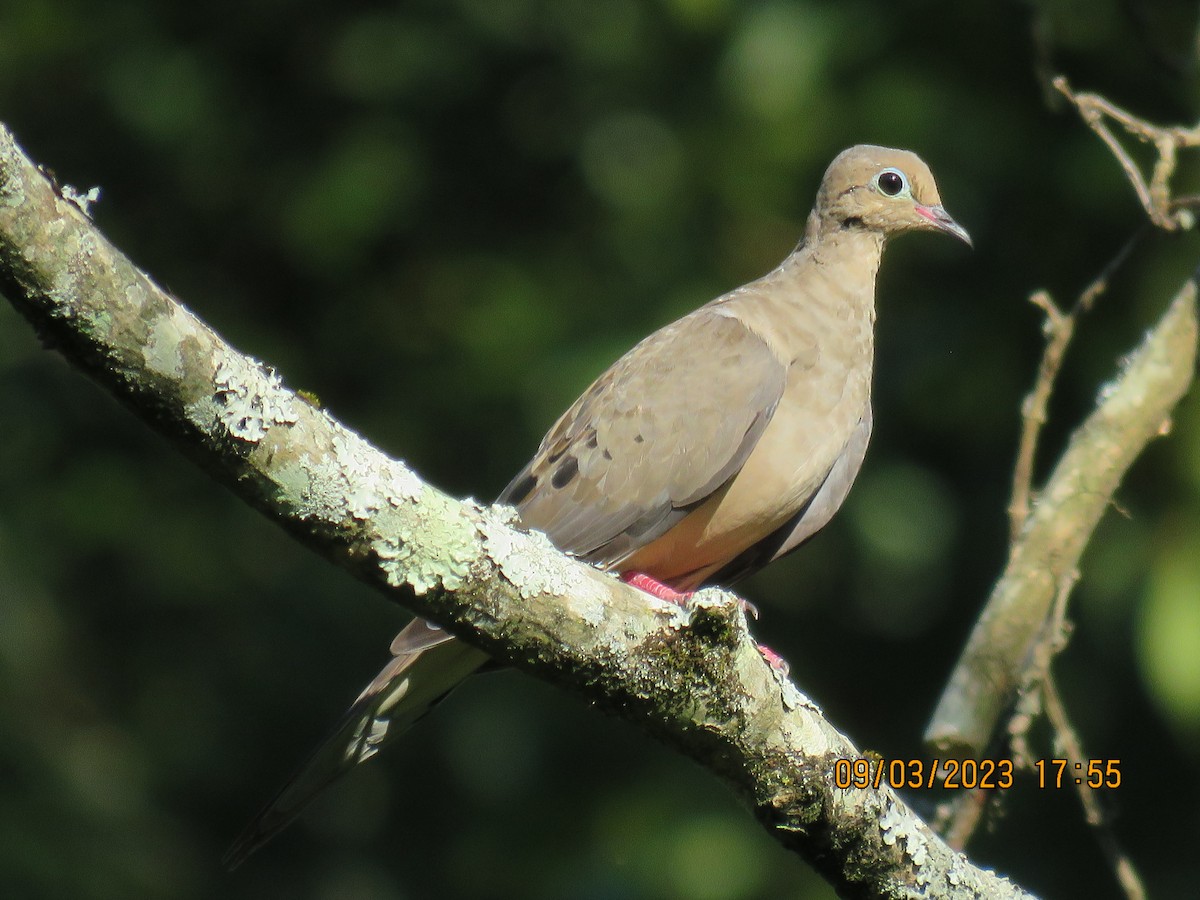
(656,588)
(774,660)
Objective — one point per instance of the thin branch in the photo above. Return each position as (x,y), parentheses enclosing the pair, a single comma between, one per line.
(1072,750)
(1154,193)
(1059,328)
(693,678)
(1067,744)
(1130,413)
(958,817)
(1165,212)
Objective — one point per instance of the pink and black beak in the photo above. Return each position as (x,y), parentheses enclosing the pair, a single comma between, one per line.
(941,220)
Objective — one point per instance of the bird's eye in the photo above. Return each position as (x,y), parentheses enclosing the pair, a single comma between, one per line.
(891,182)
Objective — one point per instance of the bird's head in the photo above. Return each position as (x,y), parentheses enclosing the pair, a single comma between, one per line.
(884,190)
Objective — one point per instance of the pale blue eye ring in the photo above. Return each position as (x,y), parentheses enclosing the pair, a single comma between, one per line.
(891,182)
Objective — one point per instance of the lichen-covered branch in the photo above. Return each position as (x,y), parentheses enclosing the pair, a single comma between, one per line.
(1131,412)
(693,677)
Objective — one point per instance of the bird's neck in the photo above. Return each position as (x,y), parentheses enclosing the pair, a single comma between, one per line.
(828,241)
(839,263)
(824,292)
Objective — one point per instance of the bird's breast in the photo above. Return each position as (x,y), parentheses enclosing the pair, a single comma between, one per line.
(826,398)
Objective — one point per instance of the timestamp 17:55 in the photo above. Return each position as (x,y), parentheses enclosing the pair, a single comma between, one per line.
(1095,773)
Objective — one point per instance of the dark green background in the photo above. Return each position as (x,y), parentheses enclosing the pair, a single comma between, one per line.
(444,218)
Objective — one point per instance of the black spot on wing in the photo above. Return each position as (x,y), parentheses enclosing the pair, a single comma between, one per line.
(566,471)
(603,502)
(520,488)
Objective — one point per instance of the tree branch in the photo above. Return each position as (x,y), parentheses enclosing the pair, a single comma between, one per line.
(1058,328)
(1131,412)
(1047,544)
(693,678)
(1006,666)
(1154,193)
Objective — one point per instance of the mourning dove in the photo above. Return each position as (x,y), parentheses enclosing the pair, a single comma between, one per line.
(719,443)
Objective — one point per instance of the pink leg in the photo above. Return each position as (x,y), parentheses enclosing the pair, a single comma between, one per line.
(777,662)
(655,588)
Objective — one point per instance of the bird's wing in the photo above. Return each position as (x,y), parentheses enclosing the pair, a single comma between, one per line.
(667,425)
(811,517)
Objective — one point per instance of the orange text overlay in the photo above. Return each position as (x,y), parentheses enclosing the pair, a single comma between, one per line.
(971,774)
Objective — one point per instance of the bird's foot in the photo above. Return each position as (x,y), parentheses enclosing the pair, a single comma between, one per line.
(656,588)
(776,662)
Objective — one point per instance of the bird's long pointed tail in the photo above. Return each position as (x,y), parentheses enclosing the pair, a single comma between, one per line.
(426,664)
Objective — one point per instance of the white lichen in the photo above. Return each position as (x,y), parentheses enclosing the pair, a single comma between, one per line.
(897,829)
(294,480)
(536,568)
(250,398)
(714,601)
(162,351)
(65,291)
(424,549)
(373,481)
(791,696)
(1105,392)
(82,199)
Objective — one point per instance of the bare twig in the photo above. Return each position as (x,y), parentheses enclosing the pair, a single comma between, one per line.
(1053,641)
(1068,743)
(1059,328)
(1048,538)
(1039,692)
(1154,193)
(958,819)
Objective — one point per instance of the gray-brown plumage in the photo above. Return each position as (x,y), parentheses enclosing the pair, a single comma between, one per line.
(716,445)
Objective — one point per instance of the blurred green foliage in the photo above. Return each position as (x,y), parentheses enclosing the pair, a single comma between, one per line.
(444,218)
